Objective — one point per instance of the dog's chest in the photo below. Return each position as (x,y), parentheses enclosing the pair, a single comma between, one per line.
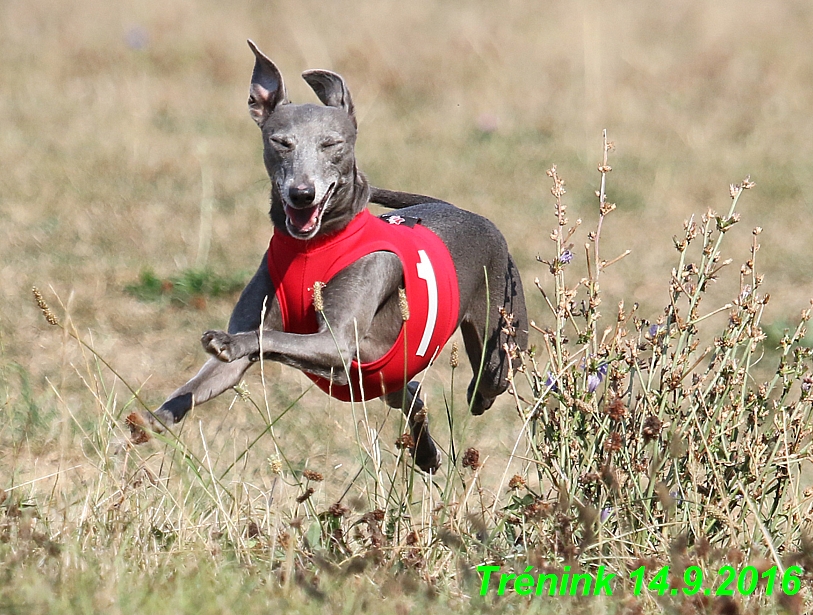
(430,282)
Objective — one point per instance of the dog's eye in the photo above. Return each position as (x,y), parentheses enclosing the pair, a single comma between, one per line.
(331,143)
(282,143)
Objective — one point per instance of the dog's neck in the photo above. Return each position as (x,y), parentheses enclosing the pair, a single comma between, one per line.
(347,202)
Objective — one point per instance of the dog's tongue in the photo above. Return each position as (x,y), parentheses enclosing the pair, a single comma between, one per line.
(303,219)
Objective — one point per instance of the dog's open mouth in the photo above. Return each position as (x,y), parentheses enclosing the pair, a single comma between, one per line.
(304,220)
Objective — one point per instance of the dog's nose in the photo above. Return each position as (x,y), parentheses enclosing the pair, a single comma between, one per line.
(302,194)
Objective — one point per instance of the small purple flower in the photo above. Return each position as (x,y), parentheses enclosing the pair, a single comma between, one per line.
(565,257)
(654,329)
(593,380)
(605,514)
(550,383)
(137,38)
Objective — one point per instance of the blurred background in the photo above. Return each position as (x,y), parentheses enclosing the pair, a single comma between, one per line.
(126,146)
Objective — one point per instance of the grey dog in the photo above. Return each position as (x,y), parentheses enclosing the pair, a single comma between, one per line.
(316,190)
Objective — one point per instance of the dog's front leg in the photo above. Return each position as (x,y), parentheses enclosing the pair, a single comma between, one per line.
(215,376)
(359,318)
(322,354)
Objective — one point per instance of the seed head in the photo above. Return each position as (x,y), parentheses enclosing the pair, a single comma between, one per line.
(616,409)
(376,515)
(405,441)
(614,443)
(308,493)
(454,359)
(338,510)
(242,390)
(402,303)
(558,189)
(516,482)
(538,509)
(508,323)
(318,302)
(275,464)
(138,428)
(589,477)
(735,189)
(606,208)
(471,458)
(312,476)
(652,428)
(50,317)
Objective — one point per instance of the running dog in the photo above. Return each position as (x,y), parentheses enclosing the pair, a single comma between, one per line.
(361,304)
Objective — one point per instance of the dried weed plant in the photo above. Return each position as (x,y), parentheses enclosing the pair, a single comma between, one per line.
(660,438)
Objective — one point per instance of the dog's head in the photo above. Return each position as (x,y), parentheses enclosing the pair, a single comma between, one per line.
(309,151)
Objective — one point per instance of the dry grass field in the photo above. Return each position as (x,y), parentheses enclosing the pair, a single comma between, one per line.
(126,147)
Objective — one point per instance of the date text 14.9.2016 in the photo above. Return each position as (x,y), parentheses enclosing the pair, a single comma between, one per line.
(728,581)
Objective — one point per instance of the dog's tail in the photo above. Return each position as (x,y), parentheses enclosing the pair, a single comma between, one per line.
(397,200)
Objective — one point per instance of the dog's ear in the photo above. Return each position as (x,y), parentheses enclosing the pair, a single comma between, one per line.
(331,90)
(267,89)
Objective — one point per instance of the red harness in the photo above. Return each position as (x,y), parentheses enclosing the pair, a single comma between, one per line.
(430,282)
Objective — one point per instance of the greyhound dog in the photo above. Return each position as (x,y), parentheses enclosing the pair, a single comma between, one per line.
(365,308)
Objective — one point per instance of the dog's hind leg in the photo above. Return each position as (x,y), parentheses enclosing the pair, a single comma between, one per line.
(506,302)
(424,451)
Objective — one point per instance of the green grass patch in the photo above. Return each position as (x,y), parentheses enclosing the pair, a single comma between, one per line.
(183,287)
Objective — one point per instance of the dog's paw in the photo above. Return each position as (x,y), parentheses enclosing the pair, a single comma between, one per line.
(480,403)
(220,344)
(142,424)
(428,461)
(424,452)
